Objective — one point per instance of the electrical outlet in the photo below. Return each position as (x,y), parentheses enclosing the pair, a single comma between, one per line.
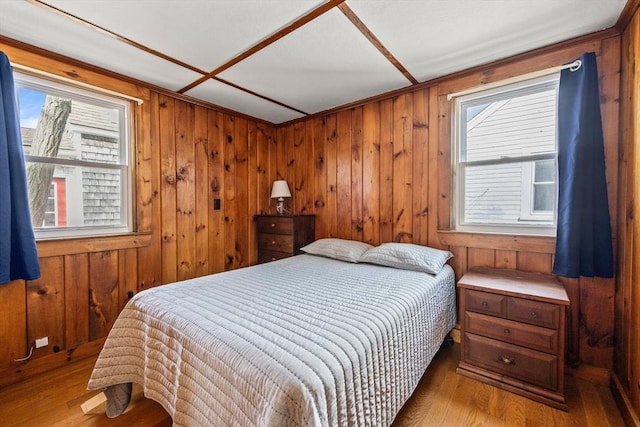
(42,342)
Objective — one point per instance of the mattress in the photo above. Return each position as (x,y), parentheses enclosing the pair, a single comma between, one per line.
(303,341)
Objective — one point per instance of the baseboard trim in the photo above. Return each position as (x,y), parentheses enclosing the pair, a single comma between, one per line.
(593,374)
(624,404)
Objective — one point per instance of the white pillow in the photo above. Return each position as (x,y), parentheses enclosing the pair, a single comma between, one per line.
(407,256)
(344,250)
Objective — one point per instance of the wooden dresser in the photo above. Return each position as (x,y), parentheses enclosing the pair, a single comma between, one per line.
(513,332)
(281,236)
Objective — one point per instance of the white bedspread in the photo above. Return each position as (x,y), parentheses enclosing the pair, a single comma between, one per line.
(304,341)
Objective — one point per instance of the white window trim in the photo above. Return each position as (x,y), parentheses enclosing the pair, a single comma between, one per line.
(528,181)
(55,202)
(460,128)
(126,154)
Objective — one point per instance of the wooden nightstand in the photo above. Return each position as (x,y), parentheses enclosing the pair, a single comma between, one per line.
(513,332)
(282,236)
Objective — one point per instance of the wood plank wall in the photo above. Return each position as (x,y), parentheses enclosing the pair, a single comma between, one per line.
(627,307)
(186,156)
(381,172)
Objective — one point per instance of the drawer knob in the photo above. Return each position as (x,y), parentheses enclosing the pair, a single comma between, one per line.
(485,304)
(273,242)
(507,360)
(507,331)
(273,258)
(273,224)
(534,314)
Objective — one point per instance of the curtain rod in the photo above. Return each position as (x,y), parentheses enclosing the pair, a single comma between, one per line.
(76,83)
(574,66)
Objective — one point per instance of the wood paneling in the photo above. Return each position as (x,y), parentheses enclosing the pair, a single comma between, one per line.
(104,298)
(202,204)
(627,297)
(185,173)
(148,178)
(13,322)
(216,177)
(76,300)
(229,150)
(45,306)
(168,191)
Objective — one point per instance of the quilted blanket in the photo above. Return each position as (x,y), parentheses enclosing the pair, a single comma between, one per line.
(304,341)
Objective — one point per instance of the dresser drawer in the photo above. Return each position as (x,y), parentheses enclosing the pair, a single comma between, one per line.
(527,365)
(268,256)
(274,225)
(530,336)
(533,312)
(276,242)
(487,303)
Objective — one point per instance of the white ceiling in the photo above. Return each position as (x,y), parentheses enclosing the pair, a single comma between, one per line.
(326,62)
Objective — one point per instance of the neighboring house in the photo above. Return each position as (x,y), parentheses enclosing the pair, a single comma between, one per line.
(84,195)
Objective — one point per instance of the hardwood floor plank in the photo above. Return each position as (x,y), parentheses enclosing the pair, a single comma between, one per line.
(575,403)
(515,414)
(591,399)
(609,406)
(442,398)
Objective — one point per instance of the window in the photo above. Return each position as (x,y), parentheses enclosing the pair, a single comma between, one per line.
(77,159)
(505,159)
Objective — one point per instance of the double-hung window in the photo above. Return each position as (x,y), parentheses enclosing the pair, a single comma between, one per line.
(505,159)
(76,146)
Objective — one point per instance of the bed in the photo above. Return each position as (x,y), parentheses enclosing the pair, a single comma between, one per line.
(304,341)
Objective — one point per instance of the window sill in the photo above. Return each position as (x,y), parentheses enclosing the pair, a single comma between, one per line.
(509,242)
(71,246)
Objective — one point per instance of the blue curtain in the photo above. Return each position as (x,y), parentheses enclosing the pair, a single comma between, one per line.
(18,254)
(583,240)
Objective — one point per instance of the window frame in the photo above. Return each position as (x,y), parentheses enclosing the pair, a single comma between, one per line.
(125,153)
(460,164)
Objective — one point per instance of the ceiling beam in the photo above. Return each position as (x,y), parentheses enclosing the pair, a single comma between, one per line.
(266,42)
(351,15)
(266,98)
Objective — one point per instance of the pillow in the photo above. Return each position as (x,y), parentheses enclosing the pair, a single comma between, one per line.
(407,256)
(344,250)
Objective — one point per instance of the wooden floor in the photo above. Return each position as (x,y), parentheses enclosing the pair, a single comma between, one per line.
(443,398)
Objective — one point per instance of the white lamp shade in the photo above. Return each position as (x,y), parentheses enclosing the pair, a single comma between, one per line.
(280,189)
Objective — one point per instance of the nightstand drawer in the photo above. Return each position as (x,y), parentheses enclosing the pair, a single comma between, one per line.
(534,312)
(276,242)
(487,303)
(530,336)
(274,225)
(268,256)
(530,366)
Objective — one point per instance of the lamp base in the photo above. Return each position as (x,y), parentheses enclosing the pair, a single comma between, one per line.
(280,207)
